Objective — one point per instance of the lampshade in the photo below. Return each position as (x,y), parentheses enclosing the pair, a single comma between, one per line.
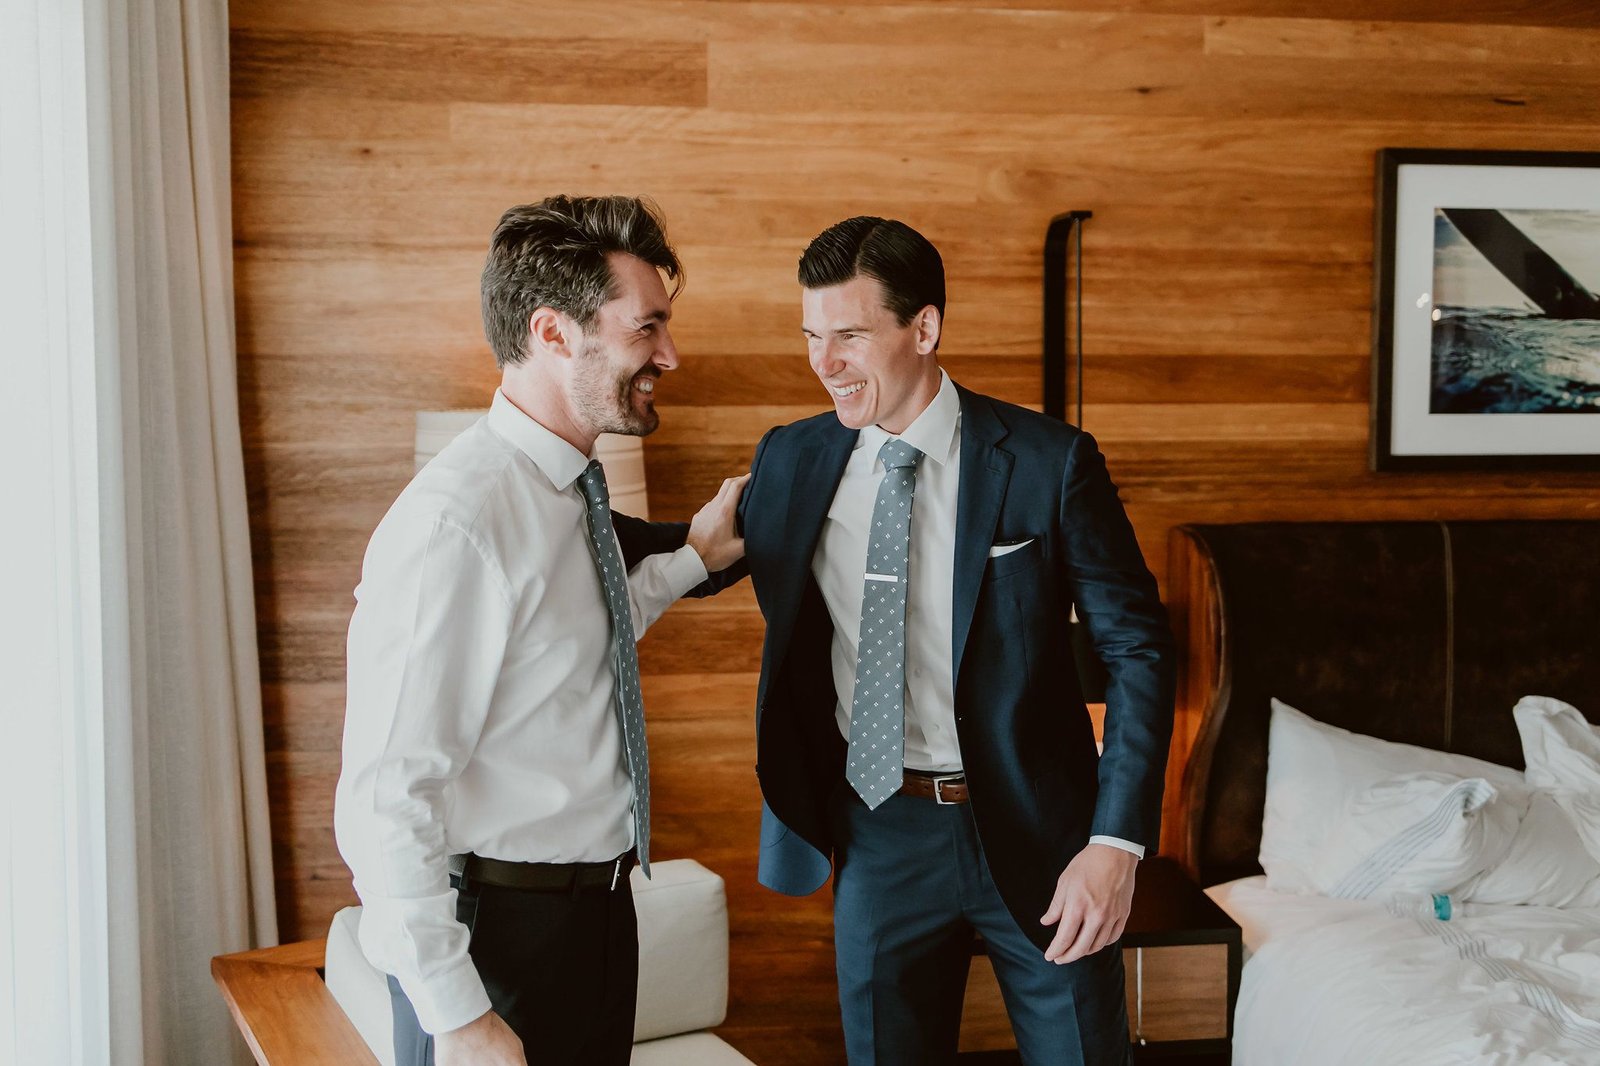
(622,456)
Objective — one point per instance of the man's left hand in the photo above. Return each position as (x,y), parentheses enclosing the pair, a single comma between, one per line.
(713,533)
(1093,896)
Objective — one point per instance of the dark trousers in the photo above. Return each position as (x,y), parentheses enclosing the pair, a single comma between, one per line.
(910,889)
(561,968)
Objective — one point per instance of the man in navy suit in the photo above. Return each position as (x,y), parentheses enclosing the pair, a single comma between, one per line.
(917,553)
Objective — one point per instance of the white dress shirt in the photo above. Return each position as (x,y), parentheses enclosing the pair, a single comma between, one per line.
(480,714)
(840,566)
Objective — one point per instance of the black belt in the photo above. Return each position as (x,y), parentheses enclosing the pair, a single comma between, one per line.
(543,876)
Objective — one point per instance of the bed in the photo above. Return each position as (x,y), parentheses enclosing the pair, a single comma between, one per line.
(1418,633)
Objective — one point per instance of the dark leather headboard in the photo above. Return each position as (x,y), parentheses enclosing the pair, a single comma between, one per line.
(1419,632)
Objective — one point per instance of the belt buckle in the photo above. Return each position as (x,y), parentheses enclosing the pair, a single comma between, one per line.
(938,789)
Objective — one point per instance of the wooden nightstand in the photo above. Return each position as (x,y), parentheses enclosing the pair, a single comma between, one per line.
(1182,954)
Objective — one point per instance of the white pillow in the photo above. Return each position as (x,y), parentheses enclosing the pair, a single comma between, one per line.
(1417,833)
(1325,816)
(1546,864)
(1562,751)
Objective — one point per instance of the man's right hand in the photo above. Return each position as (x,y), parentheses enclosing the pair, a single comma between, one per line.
(711,531)
(488,1041)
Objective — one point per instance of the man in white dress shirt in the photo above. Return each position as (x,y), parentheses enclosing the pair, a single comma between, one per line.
(494,791)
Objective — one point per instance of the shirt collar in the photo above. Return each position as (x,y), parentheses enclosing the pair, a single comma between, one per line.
(933,432)
(558,460)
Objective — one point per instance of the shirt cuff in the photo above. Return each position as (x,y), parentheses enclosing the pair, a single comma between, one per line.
(1118,842)
(449,1000)
(684,570)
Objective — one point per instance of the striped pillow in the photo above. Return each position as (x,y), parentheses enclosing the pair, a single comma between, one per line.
(1369,816)
(1424,833)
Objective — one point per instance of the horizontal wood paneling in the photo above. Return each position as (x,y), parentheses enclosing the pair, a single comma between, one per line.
(409,67)
(1225,147)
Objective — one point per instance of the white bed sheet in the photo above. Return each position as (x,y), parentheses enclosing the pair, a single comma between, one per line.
(1353,982)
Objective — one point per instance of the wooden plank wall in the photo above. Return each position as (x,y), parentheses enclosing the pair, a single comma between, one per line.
(1225,148)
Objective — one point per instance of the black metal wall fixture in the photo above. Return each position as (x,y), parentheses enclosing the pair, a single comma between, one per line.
(1066,231)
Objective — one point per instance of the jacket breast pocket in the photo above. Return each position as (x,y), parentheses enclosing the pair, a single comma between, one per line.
(1016,561)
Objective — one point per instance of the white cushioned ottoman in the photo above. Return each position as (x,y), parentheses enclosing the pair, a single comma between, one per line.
(683,971)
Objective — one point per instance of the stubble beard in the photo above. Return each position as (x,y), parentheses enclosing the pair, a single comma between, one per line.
(606,401)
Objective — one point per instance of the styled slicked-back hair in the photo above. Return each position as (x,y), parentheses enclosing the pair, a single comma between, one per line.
(902,260)
(553,254)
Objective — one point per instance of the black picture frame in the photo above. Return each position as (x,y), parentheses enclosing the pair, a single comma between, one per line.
(1384,404)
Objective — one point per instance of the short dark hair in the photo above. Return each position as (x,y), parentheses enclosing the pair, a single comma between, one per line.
(553,254)
(902,260)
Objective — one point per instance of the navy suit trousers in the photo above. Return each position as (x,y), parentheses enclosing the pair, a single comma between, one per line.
(910,890)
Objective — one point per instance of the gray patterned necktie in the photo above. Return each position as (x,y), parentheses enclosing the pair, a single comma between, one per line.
(624,651)
(878,711)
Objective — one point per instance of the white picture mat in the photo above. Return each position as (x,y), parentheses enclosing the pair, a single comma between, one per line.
(1421,188)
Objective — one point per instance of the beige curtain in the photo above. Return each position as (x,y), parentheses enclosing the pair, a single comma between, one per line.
(134,835)
(200,842)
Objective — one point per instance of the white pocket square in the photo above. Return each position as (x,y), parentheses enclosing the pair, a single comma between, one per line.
(1006,549)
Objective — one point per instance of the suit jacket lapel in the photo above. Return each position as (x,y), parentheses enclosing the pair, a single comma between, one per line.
(818,469)
(985,472)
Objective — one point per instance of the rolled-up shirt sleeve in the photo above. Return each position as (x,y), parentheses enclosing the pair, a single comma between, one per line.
(432,620)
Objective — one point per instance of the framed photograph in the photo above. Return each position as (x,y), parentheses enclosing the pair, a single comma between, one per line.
(1486,316)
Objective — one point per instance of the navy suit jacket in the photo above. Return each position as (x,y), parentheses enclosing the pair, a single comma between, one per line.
(1038,788)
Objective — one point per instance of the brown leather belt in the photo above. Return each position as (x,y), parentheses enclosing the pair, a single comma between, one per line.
(544,876)
(941,788)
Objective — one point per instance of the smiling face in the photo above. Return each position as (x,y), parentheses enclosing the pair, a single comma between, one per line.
(623,353)
(877,371)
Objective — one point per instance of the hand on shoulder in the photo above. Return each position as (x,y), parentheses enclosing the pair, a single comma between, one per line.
(713,533)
